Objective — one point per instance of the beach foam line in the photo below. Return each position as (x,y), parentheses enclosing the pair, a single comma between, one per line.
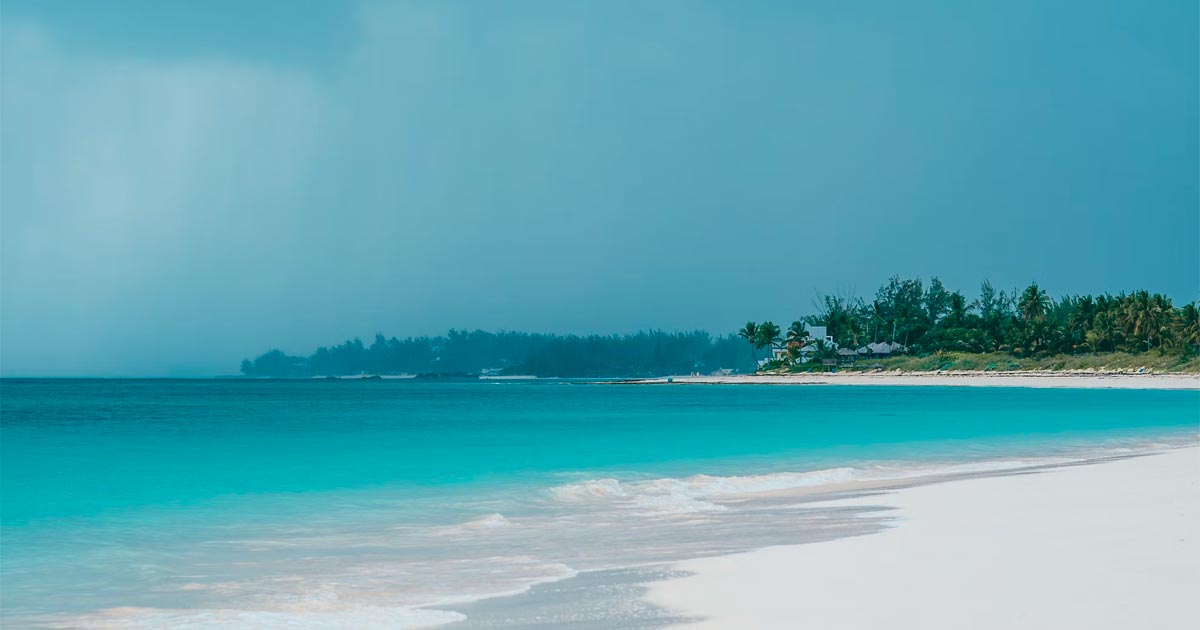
(699,493)
(318,608)
(347,618)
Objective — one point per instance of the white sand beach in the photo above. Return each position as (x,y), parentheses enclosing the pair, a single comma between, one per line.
(1106,545)
(1086,380)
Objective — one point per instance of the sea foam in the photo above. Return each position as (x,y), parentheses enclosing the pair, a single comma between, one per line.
(491,521)
(691,494)
(699,493)
(341,618)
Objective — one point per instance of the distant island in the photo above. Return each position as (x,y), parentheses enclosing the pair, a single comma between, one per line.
(908,325)
(650,353)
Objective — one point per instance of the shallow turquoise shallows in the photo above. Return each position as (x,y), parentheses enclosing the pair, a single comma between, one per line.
(230,502)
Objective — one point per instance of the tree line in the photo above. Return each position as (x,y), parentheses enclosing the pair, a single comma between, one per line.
(649,353)
(929,318)
(924,318)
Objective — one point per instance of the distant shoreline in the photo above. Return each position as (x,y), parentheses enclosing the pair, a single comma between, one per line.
(1080,380)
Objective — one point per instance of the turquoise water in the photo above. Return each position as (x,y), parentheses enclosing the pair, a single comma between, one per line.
(149,502)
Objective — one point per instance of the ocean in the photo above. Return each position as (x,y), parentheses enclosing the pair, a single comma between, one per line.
(397,503)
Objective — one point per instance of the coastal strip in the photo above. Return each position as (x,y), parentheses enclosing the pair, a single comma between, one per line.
(1106,545)
(1080,380)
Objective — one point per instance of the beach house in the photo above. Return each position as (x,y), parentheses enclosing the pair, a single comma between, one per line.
(882,349)
(809,347)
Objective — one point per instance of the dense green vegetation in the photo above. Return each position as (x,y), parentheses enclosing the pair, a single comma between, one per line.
(1005,362)
(1028,327)
(650,353)
(937,328)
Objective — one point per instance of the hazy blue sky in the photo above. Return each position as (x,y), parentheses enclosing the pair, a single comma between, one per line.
(184,184)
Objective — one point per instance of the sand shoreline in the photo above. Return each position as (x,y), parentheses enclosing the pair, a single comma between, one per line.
(1109,544)
(1080,380)
(632,596)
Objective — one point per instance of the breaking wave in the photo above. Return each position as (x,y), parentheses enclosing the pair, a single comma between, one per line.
(700,493)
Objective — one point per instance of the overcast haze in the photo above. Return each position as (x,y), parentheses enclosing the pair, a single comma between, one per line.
(186,184)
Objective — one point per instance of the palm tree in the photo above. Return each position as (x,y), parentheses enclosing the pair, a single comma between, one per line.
(1033,307)
(1163,304)
(797,332)
(1145,315)
(1034,304)
(824,350)
(749,332)
(768,335)
(838,314)
(1083,314)
(1104,331)
(958,309)
(877,316)
(1187,327)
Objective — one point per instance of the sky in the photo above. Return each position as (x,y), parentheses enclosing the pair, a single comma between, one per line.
(184,184)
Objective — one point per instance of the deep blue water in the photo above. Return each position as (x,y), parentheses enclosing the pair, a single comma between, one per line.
(133,482)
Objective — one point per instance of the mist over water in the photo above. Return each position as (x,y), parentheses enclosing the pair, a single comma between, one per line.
(183,188)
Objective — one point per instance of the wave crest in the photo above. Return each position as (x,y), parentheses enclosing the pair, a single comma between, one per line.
(699,493)
(492,521)
(692,494)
